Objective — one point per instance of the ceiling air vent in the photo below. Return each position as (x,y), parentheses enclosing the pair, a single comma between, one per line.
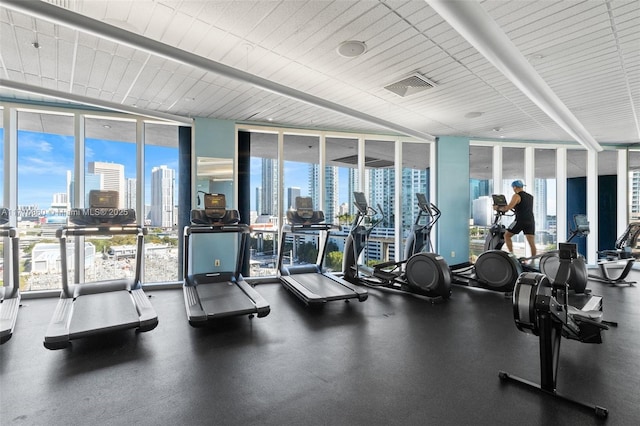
(411,85)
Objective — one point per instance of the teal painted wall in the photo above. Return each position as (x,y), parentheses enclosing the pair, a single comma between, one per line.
(214,138)
(452,198)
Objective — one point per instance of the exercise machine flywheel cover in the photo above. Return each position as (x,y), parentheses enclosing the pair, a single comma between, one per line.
(427,271)
(498,270)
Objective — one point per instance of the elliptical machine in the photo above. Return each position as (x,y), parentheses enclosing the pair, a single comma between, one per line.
(549,262)
(426,274)
(541,307)
(494,269)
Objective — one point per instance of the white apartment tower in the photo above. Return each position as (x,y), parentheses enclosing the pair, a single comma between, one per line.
(113,178)
(162,197)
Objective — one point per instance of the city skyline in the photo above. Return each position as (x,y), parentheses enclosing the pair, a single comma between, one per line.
(44,160)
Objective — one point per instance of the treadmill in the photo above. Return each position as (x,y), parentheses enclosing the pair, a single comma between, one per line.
(308,282)
(10,290)
(212,295)
(88,309)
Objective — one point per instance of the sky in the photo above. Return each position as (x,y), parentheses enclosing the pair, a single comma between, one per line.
(44,159)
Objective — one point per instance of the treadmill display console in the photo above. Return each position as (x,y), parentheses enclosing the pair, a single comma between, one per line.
(304,207)
(99,199)
(214,202)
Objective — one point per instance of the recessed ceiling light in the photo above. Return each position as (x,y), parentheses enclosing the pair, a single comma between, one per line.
(497,129)
(35,45)
(473,114)
(351,48)
(106,126)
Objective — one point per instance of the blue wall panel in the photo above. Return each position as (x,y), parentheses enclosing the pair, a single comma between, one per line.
(453,198)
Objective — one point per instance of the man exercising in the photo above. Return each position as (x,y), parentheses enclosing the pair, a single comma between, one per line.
(522,204)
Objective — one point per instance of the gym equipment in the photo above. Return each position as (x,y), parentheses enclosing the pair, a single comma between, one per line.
(541,307)
(626,246)
(10,291)
(494,269)
(212,295)
(549,262)
(308,282)
(495,238)
(622,257)
(426,274)
(87,309)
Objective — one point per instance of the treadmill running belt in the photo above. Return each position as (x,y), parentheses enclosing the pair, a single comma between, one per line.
(322,285)
(225,297)
(113,310)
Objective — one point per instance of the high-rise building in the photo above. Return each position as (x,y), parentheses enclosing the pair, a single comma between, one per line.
(91,181)
(162,197)
(113,178)
(634,195)
(269,200)
(258,201)
(540,204)
(130,194)
(292,193)
(331,190)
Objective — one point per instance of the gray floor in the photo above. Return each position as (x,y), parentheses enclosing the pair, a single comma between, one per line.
(392,360)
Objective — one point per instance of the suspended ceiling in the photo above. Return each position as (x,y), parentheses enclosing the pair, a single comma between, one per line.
(588,52)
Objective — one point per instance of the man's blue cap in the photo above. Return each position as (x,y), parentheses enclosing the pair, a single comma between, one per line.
(517,184)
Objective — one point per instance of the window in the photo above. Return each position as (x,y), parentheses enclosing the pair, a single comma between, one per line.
(415,179)
(544,198)
(634,185)
(380,178)
(264,204)
(160,201)
(513,168)
(342,179)
(480,188)
(45,155)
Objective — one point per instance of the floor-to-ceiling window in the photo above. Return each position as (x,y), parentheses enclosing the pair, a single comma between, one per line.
(634,185)
(302,179)
(161,199)
(481,188)
(416,163)
(576,194)
(513,168)
(264,204)
(342,166)
(60,156)
(380,183)
(544,198)
(45,161)
(109,164)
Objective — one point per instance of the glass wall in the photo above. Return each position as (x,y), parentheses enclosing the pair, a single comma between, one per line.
(513,166)
(264,204)
(109,163)
(634,185)
(544,199)
(481,188)
(415,179)
(160,201)
(380,181)
(47,159)
(341,166)
(45,156)
(576,194)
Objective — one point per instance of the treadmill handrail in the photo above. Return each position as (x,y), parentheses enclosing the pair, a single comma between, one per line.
(81,231)
(213,229)
(12,233)
(65,231)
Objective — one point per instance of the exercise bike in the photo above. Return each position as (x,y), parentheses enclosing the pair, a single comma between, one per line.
(541,307)
(494,269)
(425,274)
